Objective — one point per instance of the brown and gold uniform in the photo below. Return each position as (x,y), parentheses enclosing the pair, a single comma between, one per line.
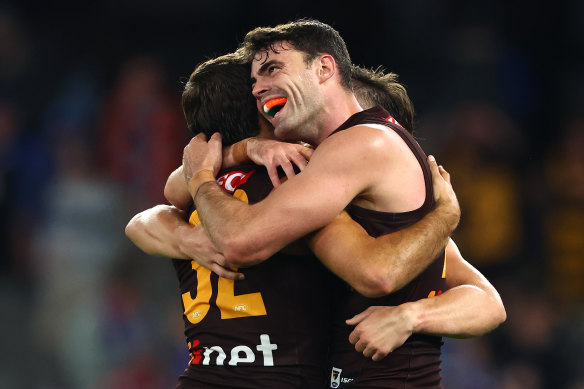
(269,330)
(416,364)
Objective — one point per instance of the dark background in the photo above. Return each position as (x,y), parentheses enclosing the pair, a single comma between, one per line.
(90,125)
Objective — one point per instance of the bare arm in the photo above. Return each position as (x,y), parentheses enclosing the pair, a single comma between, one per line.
(156,231)
(162,231)
(471,307)
(266,152)
(269,153)
(249,234)
(176,191)
(382,265)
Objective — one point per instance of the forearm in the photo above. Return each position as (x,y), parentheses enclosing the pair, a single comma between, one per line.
(176,191)
(248,234)
(461,312)
(235,154)
(228,223)
(157,231)
(376,267)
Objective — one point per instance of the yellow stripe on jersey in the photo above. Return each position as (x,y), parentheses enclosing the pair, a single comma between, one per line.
(194,219)
(241,195)
(196,309)
(444,268)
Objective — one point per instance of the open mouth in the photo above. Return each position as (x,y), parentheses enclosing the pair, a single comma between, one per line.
(273,106)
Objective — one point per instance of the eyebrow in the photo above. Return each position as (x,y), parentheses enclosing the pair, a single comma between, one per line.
(262,70)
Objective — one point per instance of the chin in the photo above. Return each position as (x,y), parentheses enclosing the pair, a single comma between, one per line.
(282,132)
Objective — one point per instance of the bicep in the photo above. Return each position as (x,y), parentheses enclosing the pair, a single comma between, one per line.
(460,272)
(309,200)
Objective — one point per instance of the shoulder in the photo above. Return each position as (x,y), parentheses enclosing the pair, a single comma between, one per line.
(364,141)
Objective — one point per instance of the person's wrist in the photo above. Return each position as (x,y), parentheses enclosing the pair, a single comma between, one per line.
(198,179)
(411,316)
(449,214)
(241,151)
(181,233)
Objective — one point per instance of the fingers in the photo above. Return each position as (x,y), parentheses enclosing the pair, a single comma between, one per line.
(370,350)
(287,167)
(444,174)
(354,336)
(200,137)
(216,137)
(299,160)
(433,167)
(226,273)
(379,355)
(359,317)
(273,174)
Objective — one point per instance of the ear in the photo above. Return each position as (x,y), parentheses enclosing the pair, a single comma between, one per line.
(326,67)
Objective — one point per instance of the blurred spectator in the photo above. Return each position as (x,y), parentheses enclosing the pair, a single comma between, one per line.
(15,47)
(481,149)
(24,173)
(564,214)
(76,245)
(142,132)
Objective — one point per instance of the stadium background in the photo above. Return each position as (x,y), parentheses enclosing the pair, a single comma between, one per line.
(90,125)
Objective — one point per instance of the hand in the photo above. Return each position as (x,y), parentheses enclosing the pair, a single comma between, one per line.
(195,244)
(271,154)
(444,194)
(201,155)
(380,330)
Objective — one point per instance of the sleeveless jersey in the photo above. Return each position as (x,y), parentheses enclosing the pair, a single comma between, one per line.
(416,364)
(269,330)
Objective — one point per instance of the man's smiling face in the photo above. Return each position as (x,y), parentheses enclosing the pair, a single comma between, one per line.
(286,89)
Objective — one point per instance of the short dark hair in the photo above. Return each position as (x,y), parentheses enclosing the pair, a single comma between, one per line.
(310,36)
(375,87)
(217,98)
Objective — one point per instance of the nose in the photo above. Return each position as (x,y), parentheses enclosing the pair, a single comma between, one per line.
(259,89)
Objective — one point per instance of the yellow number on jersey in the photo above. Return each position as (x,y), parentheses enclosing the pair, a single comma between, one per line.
(231,306)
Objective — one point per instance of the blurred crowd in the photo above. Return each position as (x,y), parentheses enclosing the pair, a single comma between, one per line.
(81,152)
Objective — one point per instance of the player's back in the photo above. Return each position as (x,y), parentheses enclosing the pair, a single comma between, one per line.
(269,330)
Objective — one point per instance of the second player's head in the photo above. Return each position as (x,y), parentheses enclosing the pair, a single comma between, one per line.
(375,87)
(217,98)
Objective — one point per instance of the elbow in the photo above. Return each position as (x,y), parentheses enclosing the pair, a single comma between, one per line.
(134,231)
(168,194)
(495,317)
(375,283)
(500,315)
(132,228)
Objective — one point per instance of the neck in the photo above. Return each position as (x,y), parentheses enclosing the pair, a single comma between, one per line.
(339,107)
